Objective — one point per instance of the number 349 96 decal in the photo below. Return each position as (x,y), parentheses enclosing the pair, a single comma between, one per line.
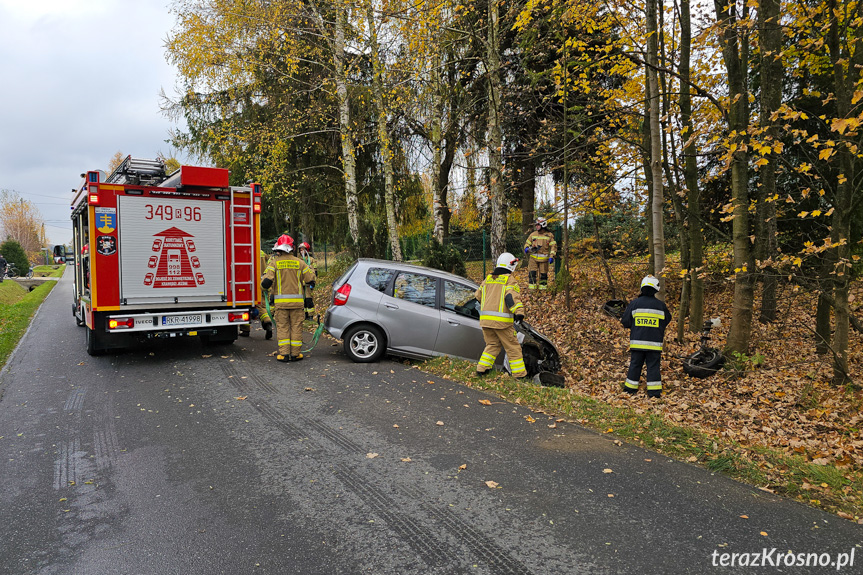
(163,212)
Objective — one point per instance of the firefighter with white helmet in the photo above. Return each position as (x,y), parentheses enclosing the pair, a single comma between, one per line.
(500,307)
(541,249)
(306,256)
(646,318)
(286,276)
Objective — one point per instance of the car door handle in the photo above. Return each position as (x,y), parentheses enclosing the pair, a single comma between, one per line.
(453,322)
(391,305)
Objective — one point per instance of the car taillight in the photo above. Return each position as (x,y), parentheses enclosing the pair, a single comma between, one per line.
(244,316)
(121,323)
(340,297)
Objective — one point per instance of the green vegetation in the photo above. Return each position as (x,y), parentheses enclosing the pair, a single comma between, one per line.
(823,486)
(15,255)
(54,271)
(17,307)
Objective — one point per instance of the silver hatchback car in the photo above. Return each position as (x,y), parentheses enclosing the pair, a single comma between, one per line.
(380,306)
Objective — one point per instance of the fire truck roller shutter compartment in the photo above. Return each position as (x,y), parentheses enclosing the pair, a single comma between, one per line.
(159,237)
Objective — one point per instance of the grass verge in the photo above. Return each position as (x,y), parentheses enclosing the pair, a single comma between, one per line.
(16,313)
(827,487)
(54,271)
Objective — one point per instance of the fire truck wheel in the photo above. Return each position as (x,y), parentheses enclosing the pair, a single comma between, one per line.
(93,347)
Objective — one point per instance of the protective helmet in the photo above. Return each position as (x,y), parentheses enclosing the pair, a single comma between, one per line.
(285,243)
(305,246)
(541,222)
(508,261)
(651,282)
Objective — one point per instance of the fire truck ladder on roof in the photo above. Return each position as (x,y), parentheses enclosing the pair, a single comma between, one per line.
(136,172)
(247,224)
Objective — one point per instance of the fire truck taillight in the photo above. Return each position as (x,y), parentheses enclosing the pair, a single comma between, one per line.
(93,197)
(257,207)
(121,323)
(238,316)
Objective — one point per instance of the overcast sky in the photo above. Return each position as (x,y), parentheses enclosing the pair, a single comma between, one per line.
(80,81)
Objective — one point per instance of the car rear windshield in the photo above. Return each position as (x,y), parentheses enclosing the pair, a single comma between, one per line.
(379,278)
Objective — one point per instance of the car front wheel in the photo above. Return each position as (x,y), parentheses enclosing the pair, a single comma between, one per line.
(364,343)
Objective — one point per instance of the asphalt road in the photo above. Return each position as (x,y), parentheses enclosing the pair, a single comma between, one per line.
(181,459)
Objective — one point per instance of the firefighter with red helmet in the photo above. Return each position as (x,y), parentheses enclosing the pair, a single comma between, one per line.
(500,307)
(286,277)
(306,256)
(541,249)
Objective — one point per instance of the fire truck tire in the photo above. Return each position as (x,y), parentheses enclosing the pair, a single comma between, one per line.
(93,345)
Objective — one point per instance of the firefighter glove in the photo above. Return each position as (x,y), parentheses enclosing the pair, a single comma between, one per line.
(311,285)
(551,260)
(527,250)
(308,303)
(519,318)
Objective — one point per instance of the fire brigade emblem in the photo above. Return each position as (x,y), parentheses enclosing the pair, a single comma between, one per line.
(173,265)
(106,245)
(106,220)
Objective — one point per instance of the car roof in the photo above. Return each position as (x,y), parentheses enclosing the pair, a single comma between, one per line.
(413,267)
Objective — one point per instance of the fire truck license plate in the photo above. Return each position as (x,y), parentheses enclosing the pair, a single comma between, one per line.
(181,319)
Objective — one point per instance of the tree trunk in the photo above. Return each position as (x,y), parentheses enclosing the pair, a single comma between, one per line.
(648,178)
(658,237)
(690,175)
(845,83)
(527,193)
(495,135)
(770,44)
(438,204)
(735,54)
(384,140)
(349,160)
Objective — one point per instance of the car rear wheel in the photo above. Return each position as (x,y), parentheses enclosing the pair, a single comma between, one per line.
(364,343)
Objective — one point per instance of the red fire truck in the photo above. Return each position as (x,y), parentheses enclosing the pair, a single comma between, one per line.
(162,256)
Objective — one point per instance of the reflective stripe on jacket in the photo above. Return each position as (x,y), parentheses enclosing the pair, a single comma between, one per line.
(646,318)
(289,275)
(499,301)
(544,243)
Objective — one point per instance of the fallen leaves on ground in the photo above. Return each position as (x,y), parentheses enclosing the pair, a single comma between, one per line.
(786,403)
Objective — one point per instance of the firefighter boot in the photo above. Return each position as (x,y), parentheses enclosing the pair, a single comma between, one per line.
(297,357)
(283,358)
(268,328)
(531,279)
(543,281)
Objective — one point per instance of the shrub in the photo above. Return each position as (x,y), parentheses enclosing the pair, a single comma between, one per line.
(446,258)
(14,254)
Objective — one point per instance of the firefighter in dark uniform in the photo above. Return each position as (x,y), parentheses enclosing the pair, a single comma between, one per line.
(263,316)
(541,249)
(500,306)
(286,276)
(646,318)
(306,256)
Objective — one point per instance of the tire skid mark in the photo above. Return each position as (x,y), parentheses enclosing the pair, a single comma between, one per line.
(429,545)
(66,464)
(106,446)
(279,419)
(75,401)
(234,377)
(500,562)
(423,541)
(262,383)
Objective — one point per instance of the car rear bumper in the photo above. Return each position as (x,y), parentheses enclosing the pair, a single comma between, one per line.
(337,319)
